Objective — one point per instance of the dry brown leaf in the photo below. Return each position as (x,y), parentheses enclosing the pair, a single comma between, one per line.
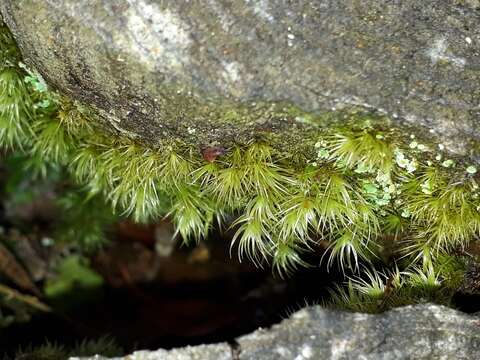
(11,268)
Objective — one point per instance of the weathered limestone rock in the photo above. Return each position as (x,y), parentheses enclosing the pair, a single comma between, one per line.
(192,69)
(201,352)
(414,332)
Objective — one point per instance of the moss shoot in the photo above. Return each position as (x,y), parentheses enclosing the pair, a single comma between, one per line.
(368,189)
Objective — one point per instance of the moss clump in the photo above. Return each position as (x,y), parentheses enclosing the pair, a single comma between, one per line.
(86,348)
(377,291)
(363,186)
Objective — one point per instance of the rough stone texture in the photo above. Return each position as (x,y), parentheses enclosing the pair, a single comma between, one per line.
(420,332)
(161,68)
(202,352)
(414,332)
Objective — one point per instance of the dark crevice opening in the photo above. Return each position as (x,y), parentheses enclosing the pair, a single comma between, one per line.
(189,302)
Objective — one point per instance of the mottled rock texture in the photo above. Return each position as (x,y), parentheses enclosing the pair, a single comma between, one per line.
(192,69)
(414,332)
(200,352)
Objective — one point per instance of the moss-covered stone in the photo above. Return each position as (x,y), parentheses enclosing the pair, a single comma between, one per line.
(368,186)
(351,178)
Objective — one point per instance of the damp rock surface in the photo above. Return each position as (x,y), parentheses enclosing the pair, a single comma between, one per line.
(166,68)
(413,332)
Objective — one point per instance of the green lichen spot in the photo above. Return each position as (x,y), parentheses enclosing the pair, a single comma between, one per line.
(471,170)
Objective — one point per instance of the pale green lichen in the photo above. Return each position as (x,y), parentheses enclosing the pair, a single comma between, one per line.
(472,170)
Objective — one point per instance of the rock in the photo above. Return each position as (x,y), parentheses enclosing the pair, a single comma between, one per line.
(413,332)
(191,70)
(201,352)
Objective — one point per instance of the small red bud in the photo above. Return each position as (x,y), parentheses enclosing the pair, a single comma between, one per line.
(210,154)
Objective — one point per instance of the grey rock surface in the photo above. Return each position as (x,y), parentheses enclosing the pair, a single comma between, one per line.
(414,332)
(162,68)
(201,352)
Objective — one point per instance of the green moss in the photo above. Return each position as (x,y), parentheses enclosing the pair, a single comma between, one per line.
(105,346)
(353,180)
(377,291)
(73,272)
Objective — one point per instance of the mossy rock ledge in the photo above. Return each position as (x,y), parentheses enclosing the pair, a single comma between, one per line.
(215,72)
(352,122)
(337,118)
